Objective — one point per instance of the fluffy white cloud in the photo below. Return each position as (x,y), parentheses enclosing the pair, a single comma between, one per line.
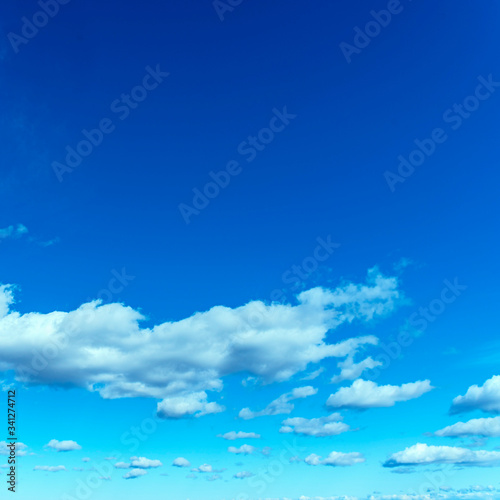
(144,463)
(335,459)
(423,454)
(243,474)
(244,449)
(20,448)
(349,370)
(484,427)
(485,398)
(63,445)
(86,459)
(318,427)
(102,348)
(49,468)
(189,404)
(231,436)
(132,474)
(181,462)
(203,468)
(367,394)
(280,405)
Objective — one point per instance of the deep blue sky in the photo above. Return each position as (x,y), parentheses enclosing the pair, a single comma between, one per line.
(323,175)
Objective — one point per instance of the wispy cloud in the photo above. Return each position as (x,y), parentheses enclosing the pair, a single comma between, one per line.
(13,232)
(280,405)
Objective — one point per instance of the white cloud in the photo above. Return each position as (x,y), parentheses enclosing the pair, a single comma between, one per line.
(63,445)
(318,427)
(335,459)
(86,459)
(476,492)
(20,448)
(280,405)
(203,468)
(349,370)
(122,465)
(367,394)
(313,375)
(13,232)
(190,404)
(231,436)
(244,449)
(6,299)
(484,427)
(243,474)
(135,473)
(485,398)
(423,454)
(181,462)
(103,348)
(49,468)
(144,463)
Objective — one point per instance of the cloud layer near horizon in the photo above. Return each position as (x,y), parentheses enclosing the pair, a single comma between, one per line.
(102,347)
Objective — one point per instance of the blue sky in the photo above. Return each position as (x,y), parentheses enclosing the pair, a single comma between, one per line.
(270,218)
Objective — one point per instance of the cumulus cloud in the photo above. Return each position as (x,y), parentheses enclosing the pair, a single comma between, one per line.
(280,405)
(203,468)
(485,398)
(102,347)
(86,459)
(317,427)
(63,445)
(423,454)
(13,232)
(364,394)
(49,468)
(20,448)
(335,459)
(244,449)
(181,462)
(132,474)
(231,436)
(243,474)
(190,404)
(349,370)
(483,427)
(144,463)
